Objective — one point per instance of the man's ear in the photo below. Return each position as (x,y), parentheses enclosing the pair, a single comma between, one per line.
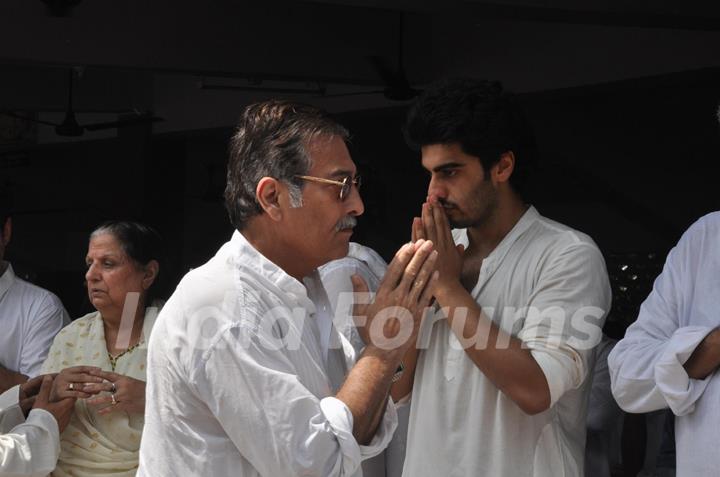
(504,168)
(268,193)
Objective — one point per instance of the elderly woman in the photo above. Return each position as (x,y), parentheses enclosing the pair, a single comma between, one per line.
(101,357)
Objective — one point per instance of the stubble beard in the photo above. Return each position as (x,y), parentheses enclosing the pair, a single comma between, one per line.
(481,207)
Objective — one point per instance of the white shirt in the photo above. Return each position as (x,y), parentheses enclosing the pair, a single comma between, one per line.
(27,448)
(646,366)
(237,383)
(460,422)
(30,317)
(335,276)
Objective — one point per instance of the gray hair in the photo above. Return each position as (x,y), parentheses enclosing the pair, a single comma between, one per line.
(140,242)
(271,140)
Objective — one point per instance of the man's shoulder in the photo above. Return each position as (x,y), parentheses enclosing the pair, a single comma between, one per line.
(31,295)
(558,235)
(707,226)
(225,290)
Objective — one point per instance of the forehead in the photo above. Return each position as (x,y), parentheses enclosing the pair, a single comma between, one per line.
(330,157)
(438,155)
(104,244)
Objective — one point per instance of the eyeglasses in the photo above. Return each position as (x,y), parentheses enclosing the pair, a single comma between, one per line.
(345,184)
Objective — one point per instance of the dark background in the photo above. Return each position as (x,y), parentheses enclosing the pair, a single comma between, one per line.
(622,97)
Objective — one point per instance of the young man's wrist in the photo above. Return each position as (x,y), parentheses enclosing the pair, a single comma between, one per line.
(444,291)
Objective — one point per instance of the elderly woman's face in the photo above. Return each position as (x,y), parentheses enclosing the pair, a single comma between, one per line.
(111,275)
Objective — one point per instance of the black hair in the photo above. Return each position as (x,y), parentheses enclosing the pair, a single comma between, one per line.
(485,120)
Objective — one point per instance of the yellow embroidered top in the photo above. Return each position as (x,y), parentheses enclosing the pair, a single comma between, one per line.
(94,444)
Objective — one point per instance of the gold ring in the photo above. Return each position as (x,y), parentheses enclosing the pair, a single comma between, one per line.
(112,397)
(71,386)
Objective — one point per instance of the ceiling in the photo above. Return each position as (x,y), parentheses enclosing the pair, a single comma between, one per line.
(140,55)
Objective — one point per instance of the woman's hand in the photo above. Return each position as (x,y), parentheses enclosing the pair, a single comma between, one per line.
(126,393)
(70,383)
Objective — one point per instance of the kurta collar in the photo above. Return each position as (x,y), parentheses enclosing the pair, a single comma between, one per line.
(248,257)
(495,258)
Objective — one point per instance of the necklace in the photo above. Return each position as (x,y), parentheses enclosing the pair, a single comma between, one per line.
(114,359)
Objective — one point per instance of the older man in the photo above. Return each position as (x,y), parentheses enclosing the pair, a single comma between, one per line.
(246,373)
(30,317)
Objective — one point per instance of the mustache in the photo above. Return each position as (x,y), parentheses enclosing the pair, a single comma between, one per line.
(347,222)
(447,204)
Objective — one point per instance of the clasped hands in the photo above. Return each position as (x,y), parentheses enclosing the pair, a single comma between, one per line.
(35,394)
(107,391)
(417,272)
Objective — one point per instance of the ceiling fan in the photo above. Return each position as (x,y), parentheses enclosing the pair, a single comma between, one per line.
(397,87)
(394,79)
(70,126)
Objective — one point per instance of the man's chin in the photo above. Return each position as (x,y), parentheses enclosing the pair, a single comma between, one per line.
(339,252)
(459,223)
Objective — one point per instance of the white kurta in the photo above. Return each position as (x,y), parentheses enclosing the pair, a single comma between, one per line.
(460,422)
(646,366)
(237,379)
(28,448)
(30,317)
(335,276)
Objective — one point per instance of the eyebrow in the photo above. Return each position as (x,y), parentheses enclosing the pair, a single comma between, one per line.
(343,173)
(448,165)
(103,257)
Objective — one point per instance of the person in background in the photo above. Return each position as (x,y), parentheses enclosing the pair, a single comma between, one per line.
(101,357)
(30,317)
(337,279)
(670,355)
(30,427)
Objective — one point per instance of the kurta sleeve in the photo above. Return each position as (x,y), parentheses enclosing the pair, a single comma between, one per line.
(30,449)
(646,366)
(48,318)
(565,315)
(10,413)
(270,415)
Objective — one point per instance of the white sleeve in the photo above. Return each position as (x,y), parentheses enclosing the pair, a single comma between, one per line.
(30,449)
(10,413)
(565,315)
(47,318)
(274,421)
(646,366)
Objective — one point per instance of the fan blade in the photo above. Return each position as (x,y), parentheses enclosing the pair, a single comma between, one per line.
(144,118)
(32,120)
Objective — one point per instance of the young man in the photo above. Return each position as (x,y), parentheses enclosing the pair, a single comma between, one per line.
(502,388)
(244,373)
(30,317)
